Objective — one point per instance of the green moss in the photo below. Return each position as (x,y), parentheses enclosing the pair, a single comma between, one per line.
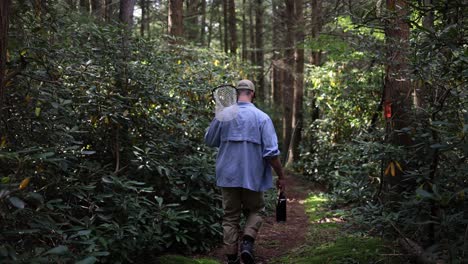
(348,249)
(174,259)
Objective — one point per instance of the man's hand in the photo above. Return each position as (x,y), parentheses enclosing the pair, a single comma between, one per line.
(281,184)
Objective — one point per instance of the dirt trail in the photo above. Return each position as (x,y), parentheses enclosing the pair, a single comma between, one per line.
(277,239)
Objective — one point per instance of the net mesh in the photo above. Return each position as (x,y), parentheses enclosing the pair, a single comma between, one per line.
(226,103)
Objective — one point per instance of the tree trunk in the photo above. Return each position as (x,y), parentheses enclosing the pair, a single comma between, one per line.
(288,84)
(175,18)
(126,13)
(4,12)
(316,21)
(98,9)
(213,8)
(232,27)
(203,22)
(252,34)
(260,85)
(277,63)
(109,10)
(397,88)
(143,17)
(225,23)
(297,119)
(244,32)
(428,19)
(84,4)
(192,26)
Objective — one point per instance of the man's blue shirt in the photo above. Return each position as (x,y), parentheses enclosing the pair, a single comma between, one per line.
(244,144)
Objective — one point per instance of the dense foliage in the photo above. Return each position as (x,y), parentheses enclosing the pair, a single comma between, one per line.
(103,155)
(347,146)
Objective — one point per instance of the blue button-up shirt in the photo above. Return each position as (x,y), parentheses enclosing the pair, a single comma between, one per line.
(244,144)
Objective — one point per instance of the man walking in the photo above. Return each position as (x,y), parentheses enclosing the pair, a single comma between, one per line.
(248,148)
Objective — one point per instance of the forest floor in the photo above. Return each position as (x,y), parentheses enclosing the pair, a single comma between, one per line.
(312,234)
(278,239)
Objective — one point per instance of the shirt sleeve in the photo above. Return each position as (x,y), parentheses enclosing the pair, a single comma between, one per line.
(269,139)
(213,134)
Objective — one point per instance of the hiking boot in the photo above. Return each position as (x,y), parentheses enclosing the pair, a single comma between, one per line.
(233,259)
(247,255)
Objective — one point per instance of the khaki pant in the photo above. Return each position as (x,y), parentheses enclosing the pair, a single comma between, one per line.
(236,201)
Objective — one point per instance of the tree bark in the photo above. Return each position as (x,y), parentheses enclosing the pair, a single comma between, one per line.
(316,26)
(277,62)
(213,8)
(252,33)
(244,32)
(4,23)
(225,23)
(288,84)
(109,10)
(143,17)
(297,119)
(98,9)
(232,27)
(175,18)
(259,50)
(192,26)
(397,88)
(203,22)
(85,5)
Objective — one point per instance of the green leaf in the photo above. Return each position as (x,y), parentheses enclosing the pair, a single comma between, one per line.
(16,202)
(59,250)
(88,260)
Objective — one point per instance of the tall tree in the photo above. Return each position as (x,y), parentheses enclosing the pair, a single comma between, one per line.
(98,9)
(4,12)
(144,14)
(175,18)
(226,26)
(232,27)
(277,62)
(288,81)
(253,54)
(244,32)
(297,118)
(316,26)
(397,81)
(259,59)
(192,25)
(85,5)
(203,22)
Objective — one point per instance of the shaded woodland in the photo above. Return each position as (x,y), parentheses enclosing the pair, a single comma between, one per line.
(104,104)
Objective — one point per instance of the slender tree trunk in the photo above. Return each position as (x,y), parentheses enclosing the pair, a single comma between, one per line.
(85,5)
(175,18)
(288,85)
(143,17)
(4,22)
(109,10)
(192,26)
(213,8)
(203,22)
(277,62)
(98,9)
(316,26)
(259,50)
(226,25)
(297,119)
(253,54)
(244,32)
(232,27)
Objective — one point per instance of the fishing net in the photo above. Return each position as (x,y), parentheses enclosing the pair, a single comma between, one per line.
(225,97)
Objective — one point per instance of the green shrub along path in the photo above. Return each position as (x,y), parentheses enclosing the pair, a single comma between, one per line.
(313,234)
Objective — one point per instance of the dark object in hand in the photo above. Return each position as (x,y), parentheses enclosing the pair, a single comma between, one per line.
(281,208)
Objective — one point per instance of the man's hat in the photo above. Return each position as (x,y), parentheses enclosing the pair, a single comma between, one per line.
(246,84)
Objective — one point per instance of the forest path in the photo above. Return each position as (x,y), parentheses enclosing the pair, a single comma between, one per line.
(278,239)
